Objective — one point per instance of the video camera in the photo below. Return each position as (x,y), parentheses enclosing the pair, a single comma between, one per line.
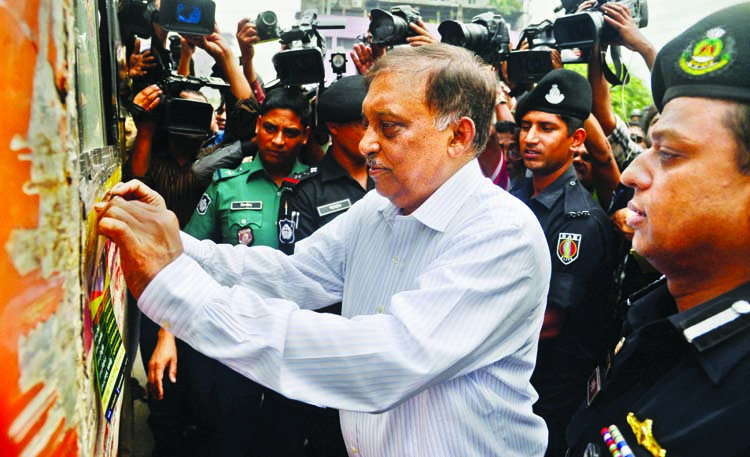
(584,29)
(194,17)
(302,62)
(487,36)
(530,65)
(180,115)
(392,28)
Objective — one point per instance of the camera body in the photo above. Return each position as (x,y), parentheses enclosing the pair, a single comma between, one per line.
(302,63)
(392,28)
(585,29)
(487,36)
(267,25)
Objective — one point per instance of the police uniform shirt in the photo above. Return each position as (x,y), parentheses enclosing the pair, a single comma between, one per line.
(240,207)
(579,235)
(677,382)
(323,193)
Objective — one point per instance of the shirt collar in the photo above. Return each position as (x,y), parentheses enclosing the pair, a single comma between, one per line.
(438,210)
(550,194)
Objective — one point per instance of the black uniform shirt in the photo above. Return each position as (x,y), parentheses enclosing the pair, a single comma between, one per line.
(322,193)
(694,393)
(579,235)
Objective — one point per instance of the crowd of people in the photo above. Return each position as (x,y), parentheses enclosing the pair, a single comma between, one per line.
(426,259)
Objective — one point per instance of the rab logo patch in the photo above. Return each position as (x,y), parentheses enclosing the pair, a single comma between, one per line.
(568,246)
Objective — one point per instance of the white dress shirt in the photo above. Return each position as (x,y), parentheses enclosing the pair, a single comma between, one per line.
(441,314)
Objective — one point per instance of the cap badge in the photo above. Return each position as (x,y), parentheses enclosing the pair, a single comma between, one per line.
(711,53)
(554,96)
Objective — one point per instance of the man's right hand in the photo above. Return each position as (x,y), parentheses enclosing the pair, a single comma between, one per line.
(146,233)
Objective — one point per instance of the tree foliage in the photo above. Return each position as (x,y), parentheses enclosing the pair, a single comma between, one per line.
(625,98)
(508,7)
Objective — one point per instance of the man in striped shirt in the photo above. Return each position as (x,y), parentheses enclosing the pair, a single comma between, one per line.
(442,276)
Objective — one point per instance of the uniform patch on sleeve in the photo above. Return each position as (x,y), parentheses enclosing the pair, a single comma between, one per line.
(568,245)
(203,204)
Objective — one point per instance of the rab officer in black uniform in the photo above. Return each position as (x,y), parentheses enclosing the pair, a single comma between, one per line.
(315,198)
(578,325)
(340,179)
(676,383)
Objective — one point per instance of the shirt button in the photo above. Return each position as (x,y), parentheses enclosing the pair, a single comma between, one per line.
(165,325)
(572,183)
(354,450)
(395,259)
(243,221)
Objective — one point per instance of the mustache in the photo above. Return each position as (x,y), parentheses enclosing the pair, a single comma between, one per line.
(374,163)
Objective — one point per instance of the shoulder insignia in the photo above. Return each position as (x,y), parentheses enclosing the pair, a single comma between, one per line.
(717,325)
(568,247)
(312,171)
(226,173)
(203,204)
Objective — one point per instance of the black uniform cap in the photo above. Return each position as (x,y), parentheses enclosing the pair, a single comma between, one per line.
(342,101)
(558,92)
(711,59)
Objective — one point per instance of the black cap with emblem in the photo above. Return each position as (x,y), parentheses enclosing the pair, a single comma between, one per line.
(711,59)
(342,101)
(559,92)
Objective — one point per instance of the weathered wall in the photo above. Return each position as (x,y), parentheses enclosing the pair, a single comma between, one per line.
(49,405)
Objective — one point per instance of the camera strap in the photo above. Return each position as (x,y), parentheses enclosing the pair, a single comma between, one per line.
(621,75)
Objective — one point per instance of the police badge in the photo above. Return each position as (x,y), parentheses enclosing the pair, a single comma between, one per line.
(286,231)
(245,236)
(568,245)
(203,204)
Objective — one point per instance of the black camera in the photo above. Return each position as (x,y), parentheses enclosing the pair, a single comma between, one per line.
(302,62)
(487,36)
(392,28)
(195,17)
(530,65)
(584,29)
(267,25)
(180,115)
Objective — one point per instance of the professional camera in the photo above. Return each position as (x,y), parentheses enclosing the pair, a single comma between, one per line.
(487,36)
(392,28)
(302,62)
(178,115)
(267,25)
(194,17)
(584,29)
(530,65)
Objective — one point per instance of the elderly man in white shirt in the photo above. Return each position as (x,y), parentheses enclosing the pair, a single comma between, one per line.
(442,276)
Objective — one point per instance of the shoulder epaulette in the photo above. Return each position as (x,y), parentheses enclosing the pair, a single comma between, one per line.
(226,173)
(717,323)
(310,172)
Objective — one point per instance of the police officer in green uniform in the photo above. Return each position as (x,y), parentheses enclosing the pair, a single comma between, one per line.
(240,207)
(578,324)
(676,383)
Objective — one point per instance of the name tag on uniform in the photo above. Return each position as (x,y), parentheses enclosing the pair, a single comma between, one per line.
(335,207)
(253,206)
